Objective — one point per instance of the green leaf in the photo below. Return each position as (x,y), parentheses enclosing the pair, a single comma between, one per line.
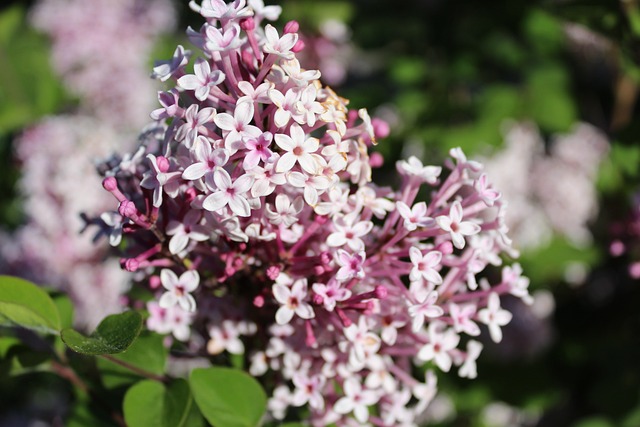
(147,353)
(151,403)
(25,304)
(65,310)
(114,335)
(228,397)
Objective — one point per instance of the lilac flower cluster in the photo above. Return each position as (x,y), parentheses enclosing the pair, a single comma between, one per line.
(250,209)
(100,44)
(550,190)
(57,154)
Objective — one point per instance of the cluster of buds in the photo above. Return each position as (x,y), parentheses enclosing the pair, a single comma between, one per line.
(250,211)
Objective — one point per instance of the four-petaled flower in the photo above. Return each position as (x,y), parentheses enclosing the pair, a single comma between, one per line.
(292,300)
(439,345)
(350,265)
(356,400)
(298,149)
(425,309)
(494,317)
(455,226)
(203,80)
(424,265)
(414,217)
(277,45)
(230,193)
(159,179)
(178,289)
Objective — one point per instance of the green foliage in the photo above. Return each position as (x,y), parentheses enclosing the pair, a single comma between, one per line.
(24,303)
(547,264)
(113,335)
(147,353)
(228,397)
(151,403)
(28,87)
(617,169)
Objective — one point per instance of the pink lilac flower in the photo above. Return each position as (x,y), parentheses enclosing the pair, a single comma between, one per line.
(57,154)
(293,301)
(202,81)
(170,320)
(335,287)
(494,317)
(88,53)
(178,289)
(453,224)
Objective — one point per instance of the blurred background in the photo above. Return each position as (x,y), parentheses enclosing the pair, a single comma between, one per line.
(544,93)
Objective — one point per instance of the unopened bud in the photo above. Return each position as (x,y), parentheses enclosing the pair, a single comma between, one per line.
(131,265)
(110,183)
(248,24)
(128,209)
(273,272)
(380,127)
(163,163)
(376,160)
(154,282)
(291,27)
(381,292)
(299,46)
(258,301)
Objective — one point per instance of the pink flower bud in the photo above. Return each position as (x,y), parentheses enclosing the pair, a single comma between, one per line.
(617,248)
(110,183)
(634,270)
(248,24)
(258,301)
(128,209)
(381,292)
(131,265)
(376,160)
(291,27)
(299,46)
(163,164)
(273,272)
(154,282)
(380,127)
(445,247)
